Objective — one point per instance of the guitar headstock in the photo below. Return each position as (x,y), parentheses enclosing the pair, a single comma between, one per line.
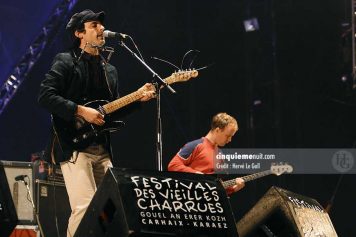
(281,168)
(184,75)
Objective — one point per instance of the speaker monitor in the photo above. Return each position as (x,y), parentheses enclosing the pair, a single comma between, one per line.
(53,207)
(18,189)
(152,204)
(8,216)
(283,213)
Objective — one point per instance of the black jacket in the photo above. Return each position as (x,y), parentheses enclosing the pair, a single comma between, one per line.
(63,89)
(64,85)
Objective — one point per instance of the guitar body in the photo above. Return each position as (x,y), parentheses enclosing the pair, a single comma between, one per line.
(79,134)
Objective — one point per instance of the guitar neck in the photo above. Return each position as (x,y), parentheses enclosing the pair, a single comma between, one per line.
(122,102)
(130,98)
(247,178)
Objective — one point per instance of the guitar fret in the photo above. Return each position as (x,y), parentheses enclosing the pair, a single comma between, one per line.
(232,182)
(275,169)
(123,101)
(257,175)
(169,80)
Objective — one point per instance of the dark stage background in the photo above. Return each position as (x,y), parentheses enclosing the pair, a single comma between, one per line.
(283,84)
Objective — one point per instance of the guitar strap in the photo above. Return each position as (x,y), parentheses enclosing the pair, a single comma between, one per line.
(53,160)
(103,64)
(55,139)
(80,55)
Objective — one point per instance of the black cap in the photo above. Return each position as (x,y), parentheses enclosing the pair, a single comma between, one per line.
(80,18)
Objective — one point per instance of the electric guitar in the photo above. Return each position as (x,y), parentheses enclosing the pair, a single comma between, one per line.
(79,134)
(276,169)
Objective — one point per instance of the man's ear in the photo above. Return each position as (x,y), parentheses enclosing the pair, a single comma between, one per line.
(78,34)
(217,129)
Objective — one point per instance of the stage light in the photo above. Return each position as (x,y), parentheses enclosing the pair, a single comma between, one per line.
(251,25)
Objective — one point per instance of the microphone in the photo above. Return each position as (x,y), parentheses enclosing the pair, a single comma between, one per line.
(20,177)
(110,34)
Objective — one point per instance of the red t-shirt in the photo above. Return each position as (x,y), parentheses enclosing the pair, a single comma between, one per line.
(197,155)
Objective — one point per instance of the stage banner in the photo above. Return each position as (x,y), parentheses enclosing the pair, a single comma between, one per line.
(152,203)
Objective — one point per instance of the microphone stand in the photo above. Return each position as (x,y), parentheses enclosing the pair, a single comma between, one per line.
(33,206)
(159,83)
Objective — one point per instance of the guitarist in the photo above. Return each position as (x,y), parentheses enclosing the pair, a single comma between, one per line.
(198,156)
(75,78)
